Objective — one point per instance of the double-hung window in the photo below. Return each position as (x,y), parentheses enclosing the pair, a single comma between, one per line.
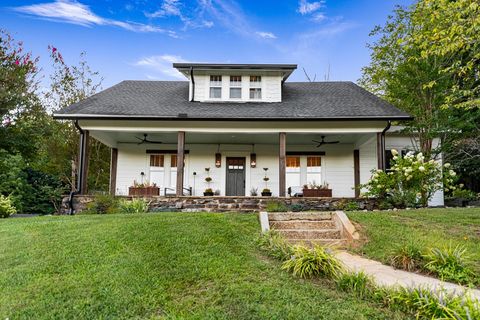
(235,87)
(314,170)
(215,87)
(255,87)
(292,171)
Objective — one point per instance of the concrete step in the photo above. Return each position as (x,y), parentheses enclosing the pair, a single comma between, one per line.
(310,234)
(286,216)
(336,243)
(302,224)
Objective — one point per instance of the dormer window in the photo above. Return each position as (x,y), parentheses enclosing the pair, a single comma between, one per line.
(215,87)
(235,87)
(255,87)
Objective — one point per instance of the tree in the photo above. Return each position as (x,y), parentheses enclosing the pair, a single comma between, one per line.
(450,30)
(70,84)
(412,83)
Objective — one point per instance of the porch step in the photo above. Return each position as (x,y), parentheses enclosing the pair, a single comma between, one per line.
(302,224)
(322,242)
(310,234)
(286,216)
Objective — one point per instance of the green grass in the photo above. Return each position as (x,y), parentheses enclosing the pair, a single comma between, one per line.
(384,230)
(165,265)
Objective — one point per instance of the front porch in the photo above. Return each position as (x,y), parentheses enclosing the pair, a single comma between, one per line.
(239,159)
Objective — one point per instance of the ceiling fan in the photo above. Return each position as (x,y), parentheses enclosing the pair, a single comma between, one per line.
(143,140)
(321,143)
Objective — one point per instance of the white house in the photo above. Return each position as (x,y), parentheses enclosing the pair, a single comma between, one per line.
(237,120)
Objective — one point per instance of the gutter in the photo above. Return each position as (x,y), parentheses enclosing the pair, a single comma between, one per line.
(389,124)
(73,193)
(193,84)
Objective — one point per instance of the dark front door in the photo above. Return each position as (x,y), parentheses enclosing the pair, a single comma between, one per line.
(235,177)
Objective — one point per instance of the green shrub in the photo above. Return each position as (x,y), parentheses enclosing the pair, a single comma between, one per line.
(357,282)
(136,205)
(351,206)
(102,204)
(407,257)
(464,194)
(319,261)
(6,207)
(297,207)
(275,246)
(276,206)
(449,264)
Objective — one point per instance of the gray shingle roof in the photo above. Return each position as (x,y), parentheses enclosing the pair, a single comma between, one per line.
(168,99)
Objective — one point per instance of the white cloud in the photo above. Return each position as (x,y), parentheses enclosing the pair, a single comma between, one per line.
(318,17)
(161,64)
(175,8)
(74,12)
(266,35)
(305,7)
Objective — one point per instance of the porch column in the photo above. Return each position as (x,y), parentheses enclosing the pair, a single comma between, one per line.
(180,162)
(113,171)
(82,186)
(356,171)
(282,163)
(380,151)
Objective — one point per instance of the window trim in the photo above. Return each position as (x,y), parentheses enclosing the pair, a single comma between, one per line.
(217,84)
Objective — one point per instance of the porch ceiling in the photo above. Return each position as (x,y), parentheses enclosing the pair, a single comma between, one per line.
(113,138)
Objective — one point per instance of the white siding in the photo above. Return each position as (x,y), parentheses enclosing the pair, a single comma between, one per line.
(367,148)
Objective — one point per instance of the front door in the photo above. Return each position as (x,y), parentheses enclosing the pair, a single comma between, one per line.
(235,177)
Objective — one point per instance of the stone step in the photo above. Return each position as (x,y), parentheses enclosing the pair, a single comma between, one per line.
(310,234)
(302,224)
(336,243)
(286,216)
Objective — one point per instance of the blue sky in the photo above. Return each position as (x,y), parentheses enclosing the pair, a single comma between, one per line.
(139,39)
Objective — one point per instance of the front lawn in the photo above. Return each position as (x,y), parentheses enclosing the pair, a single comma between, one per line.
(386,230)
(165,265)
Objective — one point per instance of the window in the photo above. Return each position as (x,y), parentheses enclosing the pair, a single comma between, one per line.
(173,161)
(388,160)
(314,170)
(255,87)
(235,87)
(156,160)
(215,87)
(293,171)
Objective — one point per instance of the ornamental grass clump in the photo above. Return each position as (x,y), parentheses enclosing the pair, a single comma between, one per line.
(411,181)
(356,282)
(449,264)
(136,205)
(407,257)
(319,261)
(275,246)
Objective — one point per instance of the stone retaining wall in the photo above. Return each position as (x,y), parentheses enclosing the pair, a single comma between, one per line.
(224,204)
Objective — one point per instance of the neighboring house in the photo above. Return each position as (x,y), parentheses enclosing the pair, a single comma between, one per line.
(237,120)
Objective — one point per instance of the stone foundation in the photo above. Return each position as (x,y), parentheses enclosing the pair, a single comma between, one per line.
(225,204)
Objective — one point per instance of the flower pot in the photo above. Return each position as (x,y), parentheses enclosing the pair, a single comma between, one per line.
(266,194)
(208,194)
(324,193)
(143,191)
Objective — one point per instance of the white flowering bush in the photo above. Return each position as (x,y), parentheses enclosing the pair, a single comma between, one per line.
(411,182)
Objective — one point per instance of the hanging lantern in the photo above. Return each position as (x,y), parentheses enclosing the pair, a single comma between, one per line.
(253,160)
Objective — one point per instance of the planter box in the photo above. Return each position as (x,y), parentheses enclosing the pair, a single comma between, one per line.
(325,193)
(208,194)
(266,194)
(143,191)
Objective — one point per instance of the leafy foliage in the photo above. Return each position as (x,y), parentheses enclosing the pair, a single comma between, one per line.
(276,206)
(318,261)
(6,207)
(274,245)
(102,204)
(449,264)
(136,205)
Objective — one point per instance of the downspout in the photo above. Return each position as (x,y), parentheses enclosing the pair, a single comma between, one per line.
(389,124)
(80,166)
(193,84)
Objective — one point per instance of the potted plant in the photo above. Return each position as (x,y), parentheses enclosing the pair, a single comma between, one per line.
(254,192)
(266,191)
(209,191)
(143,189)
(314,190)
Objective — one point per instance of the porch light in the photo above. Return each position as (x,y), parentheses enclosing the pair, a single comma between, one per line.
(253,160)
(218,160)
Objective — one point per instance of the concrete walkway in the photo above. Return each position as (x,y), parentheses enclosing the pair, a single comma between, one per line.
(387,276)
